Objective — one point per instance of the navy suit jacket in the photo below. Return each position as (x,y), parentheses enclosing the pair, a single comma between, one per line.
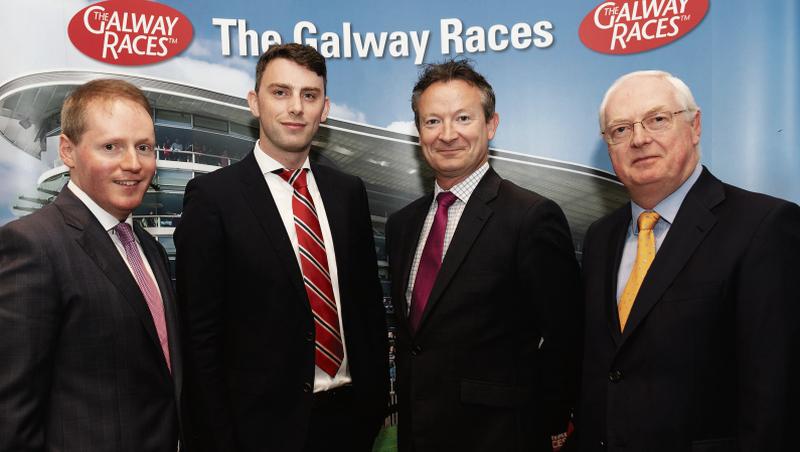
(710,356)
(249,326)
(494,363)
(82,366)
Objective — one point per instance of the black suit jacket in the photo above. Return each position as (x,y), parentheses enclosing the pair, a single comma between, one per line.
(709,360)
(250,331)
(474,377)
(82,367)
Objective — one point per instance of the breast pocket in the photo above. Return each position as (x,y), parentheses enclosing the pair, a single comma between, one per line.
(492,394)
(715,445)
(693,292)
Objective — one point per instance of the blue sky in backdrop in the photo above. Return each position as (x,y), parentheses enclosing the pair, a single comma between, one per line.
(741,62)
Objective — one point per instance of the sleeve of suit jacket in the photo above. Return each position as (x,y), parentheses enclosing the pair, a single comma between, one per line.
(29,318)
(199,268)
(549,272)
(768,334)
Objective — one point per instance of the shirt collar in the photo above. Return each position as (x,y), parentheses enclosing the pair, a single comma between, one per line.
(268,164)
(463,190)
(107,220)
(668,208)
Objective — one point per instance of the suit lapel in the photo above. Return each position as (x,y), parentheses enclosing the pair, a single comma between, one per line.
(412,228)
(692,223)
(156,261)
(98,246)
(262,204)
(336,213)
(615,247)
(474,217)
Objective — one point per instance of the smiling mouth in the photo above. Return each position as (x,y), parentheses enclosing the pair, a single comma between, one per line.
(127,183)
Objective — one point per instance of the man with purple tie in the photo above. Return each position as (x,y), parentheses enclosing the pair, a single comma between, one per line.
(485,286)
(89,336)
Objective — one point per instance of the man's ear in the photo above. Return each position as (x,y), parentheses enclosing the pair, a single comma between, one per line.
(325,110)
(66,151)
(252,101)
(697,127)
(492,124)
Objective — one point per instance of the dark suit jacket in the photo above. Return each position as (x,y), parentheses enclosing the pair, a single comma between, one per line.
(474,377)
(709,360)
(250,331)
(82,367)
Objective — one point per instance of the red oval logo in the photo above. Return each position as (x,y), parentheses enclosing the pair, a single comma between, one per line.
(130,33)
(631,26)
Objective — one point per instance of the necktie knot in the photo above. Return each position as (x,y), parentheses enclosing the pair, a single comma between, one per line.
(445,199)
(648,220)
(124,232)
(295,177)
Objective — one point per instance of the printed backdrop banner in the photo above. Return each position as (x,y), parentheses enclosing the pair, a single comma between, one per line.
(549,62)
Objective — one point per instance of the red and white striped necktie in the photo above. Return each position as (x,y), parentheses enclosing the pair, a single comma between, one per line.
(316,277)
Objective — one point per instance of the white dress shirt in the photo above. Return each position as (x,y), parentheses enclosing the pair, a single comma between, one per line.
(282,193)
(109,222)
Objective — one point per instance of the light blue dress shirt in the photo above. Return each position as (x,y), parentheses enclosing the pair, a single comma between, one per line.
(667,209)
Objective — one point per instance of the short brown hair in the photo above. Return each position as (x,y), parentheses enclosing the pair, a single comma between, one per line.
(304,55)
(73,113)
(453,70)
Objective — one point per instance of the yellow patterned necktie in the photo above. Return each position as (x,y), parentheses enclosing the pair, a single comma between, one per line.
(645,252)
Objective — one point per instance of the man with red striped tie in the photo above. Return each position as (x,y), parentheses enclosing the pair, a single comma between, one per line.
(278,285)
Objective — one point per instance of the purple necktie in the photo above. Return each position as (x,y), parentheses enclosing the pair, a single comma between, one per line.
(146,284)
(431,260)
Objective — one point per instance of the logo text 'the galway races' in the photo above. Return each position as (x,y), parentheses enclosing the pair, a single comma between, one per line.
(631,26)
(130,32)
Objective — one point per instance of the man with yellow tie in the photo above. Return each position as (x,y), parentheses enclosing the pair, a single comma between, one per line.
(692,293)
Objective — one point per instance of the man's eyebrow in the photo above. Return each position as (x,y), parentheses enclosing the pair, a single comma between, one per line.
(279,85)
(656,109)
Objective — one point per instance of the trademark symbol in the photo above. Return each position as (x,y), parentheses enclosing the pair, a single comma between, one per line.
(686,17)
(173,40)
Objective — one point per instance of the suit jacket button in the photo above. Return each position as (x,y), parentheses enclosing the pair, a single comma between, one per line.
(615,376)
(309,336)
(307,387)
(416,350)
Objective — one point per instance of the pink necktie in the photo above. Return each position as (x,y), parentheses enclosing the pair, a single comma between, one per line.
(316,276)
(431,259)
(146,284)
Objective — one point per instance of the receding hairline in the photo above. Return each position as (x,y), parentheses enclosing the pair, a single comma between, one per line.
(100,92)
(683,94)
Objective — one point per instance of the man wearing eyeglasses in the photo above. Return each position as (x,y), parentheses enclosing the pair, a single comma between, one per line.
(692,293)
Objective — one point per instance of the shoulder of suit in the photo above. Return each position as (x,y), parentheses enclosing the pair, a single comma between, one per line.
(222,175)
(739,195)
(509,191)
(39,227)
(42,218)
(609,222)
(333,173)
(413,206)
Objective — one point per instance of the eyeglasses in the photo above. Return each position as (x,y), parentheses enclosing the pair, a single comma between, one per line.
(657,122)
